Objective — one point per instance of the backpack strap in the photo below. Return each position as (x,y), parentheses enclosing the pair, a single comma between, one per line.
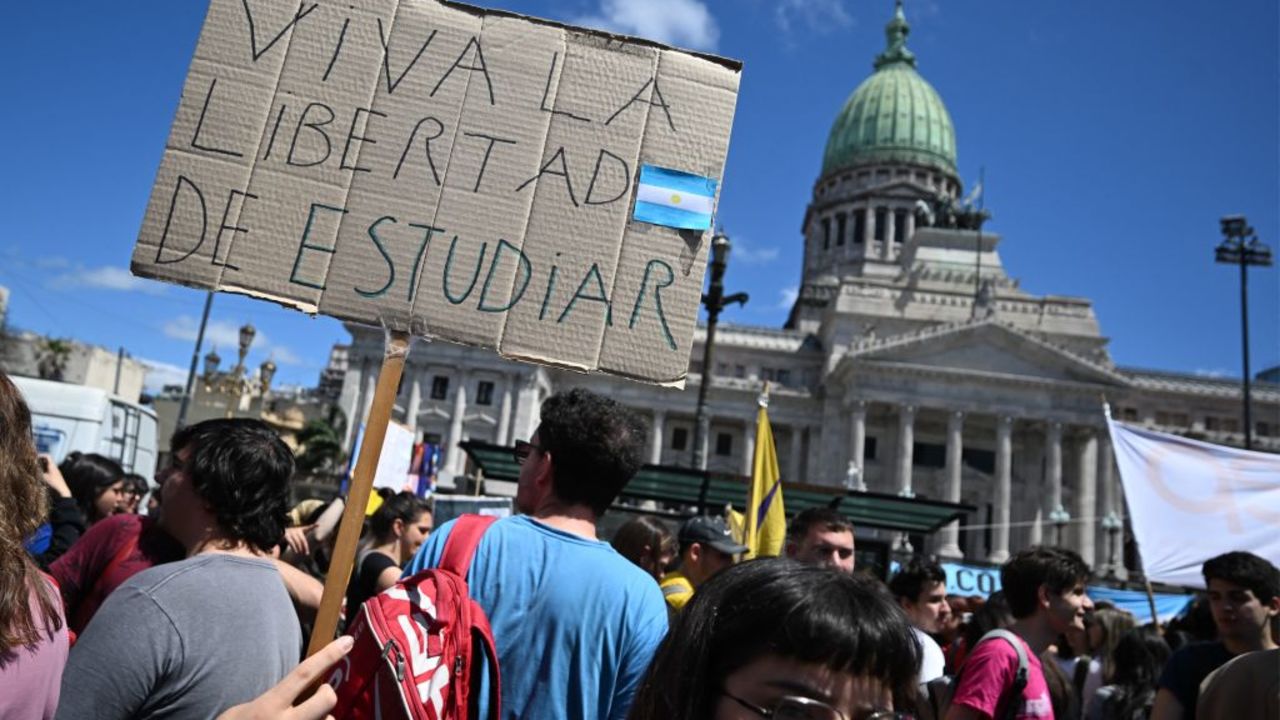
(1020,677)
(463,540)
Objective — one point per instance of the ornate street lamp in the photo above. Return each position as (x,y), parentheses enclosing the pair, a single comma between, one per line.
(715,300)
(266,372)
(1112,525)
(211,362)
(1059,517)
(1240,246)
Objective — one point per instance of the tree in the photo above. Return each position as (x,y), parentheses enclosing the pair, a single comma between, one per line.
(320,444)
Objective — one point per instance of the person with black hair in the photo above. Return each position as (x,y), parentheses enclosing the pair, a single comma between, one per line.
(920,587)
(1138,658)
(1244,597)
(191,638)
(575,623)
(97,484)
(776,638)
(1045,588)
(821,536)
(135,488)
(396,530)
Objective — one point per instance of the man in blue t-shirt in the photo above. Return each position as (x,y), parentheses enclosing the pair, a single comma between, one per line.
(575,623)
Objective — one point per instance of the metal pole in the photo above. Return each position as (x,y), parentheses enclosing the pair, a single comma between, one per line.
(195,360)
(115,390)
(1244,323)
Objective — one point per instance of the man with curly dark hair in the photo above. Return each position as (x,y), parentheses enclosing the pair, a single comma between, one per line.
(194,637)
(575,623)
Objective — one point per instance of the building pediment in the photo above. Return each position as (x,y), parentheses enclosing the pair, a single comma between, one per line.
(986,346)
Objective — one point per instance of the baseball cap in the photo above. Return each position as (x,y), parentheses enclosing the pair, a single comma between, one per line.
(709,531)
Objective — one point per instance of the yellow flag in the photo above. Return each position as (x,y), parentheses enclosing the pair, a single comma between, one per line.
(766,520)
(737,523)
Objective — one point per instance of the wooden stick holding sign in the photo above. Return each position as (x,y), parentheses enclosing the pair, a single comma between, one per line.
(344,552)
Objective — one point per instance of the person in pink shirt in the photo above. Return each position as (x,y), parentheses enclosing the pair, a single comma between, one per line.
(33,632)
(1045,588)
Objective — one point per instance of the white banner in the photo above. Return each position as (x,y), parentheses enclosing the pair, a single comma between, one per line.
(1190,501)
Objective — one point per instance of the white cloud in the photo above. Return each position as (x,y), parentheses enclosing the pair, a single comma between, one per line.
(107,277)
(748,254)
(787,297)
(816,15)
(1214,374)
(226,335)
(684,23)
(161,373)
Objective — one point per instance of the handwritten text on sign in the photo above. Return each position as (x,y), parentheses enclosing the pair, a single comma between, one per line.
(433,167)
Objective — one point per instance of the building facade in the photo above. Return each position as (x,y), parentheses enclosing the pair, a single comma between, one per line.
(911,363)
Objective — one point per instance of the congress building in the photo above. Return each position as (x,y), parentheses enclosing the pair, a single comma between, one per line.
(911,364)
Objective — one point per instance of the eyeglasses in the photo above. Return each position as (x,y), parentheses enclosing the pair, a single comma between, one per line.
(523,450)
(793,707)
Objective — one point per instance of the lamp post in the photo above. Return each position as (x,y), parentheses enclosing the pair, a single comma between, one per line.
(1059,517)
(1240,246)
(1111,524)
(234,383)
(715,300)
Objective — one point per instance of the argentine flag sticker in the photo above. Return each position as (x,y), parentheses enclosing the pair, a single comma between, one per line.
(674,199)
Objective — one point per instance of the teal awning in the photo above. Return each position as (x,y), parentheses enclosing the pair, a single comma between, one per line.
(712,491)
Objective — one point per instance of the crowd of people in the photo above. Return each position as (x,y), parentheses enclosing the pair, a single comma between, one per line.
(201,607)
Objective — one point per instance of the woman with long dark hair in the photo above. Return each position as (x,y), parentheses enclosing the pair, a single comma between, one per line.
(97,483)
(396,531)
(1139,658)
(33,635)
(648,543)
(774,638)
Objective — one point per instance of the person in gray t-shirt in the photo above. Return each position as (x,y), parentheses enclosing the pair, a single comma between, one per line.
(193,638)
(184,640)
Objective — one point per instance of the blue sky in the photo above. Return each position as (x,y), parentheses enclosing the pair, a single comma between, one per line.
(1113,136)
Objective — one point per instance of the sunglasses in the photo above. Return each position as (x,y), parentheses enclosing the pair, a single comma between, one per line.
(523,450)
(793,707)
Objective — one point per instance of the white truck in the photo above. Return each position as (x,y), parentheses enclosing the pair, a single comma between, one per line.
(67,417)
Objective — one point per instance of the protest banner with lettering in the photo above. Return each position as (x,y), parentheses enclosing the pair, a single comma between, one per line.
(449,171)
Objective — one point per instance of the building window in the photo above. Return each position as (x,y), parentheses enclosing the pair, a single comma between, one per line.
(899,226)
(766,374)
(439,387)
(980,460)
(739,371)
(826,233)
(881,215)
(1129,414)
(679,438)
(841,225)
(1171,419)
(724,444)
(1266,429)
(859,226)
(869,449)
(783,376)
(929,455)
(484,393)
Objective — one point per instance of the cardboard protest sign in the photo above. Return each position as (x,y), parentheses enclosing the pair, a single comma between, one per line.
(464,174)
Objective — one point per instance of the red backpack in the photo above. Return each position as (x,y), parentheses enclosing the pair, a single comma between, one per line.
(420,645)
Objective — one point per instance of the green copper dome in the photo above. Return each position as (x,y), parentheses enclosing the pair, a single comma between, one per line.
(894,115)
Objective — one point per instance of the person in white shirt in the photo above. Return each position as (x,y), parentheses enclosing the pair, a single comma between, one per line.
(920,587)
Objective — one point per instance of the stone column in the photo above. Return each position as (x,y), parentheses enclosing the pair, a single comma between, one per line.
(1110,504)
(950,535)
(504,412)
(1053,480)
(749,447)
(658,433)
(887,244)
(910,228)
(415,399)
(1003,487)
(858,439)
(793,457)
(868,227)
(906,447)
(1086,496)
(456,454)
